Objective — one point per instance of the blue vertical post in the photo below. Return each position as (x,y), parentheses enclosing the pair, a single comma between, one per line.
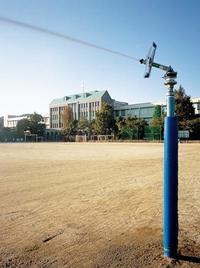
(170,178)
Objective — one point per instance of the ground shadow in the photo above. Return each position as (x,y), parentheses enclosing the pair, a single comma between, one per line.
(188,258)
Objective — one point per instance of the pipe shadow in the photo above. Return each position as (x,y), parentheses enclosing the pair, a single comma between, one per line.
(192,259)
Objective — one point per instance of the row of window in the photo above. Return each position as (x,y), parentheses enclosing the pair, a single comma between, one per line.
(85,114)
(81,105)
(82,113)
(92,104)
(91,109)
(96,103)
(54,125)
(55,109)
(63,107)
(12,123)
(54,116)
(142,112)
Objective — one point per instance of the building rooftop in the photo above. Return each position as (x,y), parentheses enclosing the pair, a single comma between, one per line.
(81,97)
(195,99)
(135,106)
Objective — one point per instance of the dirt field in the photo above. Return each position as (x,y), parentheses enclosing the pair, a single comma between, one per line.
(93,205)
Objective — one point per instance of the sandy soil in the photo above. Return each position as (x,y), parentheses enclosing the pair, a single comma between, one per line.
(93,205)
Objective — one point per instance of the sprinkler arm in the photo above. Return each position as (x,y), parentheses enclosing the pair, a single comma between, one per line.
(170,73)
(157,65)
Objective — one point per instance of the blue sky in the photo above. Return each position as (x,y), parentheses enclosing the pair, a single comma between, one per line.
(35,68)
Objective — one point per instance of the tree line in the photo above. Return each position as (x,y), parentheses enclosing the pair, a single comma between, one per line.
(133,127)
(121,128)
(185,112)
(34,124)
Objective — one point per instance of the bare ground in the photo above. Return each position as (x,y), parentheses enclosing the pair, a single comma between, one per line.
(93,205)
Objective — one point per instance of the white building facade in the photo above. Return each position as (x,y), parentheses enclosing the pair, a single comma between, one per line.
(11,121)
(83,105)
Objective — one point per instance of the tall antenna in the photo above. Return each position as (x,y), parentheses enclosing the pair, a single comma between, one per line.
(83,86)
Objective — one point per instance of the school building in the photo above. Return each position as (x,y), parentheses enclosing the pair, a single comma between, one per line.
(88,103)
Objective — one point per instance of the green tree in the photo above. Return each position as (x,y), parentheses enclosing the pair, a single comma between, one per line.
(141,125)
(132,127)
(1,122)
(157,123)
(83,125)
(120,124)
(22,125)
(92,127)
(104,123)
(71,129)
(156,115)
(36,124)
(194,127)
(183,107)
(7,134)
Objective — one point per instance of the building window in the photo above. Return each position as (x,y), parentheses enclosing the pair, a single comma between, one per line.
(123,113)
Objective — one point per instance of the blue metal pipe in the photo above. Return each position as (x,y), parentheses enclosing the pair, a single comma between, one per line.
(170,105)
(170,187)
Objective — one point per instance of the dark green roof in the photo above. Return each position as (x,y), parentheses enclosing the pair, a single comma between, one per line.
(80,97)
